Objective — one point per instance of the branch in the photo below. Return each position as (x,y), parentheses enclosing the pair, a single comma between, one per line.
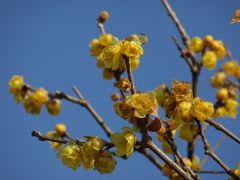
(182,52)
(224,130)
(45,138)
(209,151)
(180,28)
(92,111)
(219,142)
(150,157)
(167,160)
(211,172)
(178,155)
(130,77)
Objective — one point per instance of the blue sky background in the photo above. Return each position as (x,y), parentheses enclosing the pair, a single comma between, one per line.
(47,42)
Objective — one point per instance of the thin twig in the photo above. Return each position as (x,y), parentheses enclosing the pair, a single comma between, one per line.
(182,52)
(45,138)
(209,151)
(219,142)
(101,27)
(150,157)
(181,30)
(220,127)
(211,172)
(92,111)
(130,76)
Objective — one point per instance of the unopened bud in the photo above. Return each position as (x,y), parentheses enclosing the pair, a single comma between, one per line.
(104,15)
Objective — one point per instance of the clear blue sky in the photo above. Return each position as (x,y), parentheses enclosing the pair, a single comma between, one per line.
(47,42)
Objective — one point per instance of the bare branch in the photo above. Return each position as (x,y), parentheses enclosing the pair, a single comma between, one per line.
(180,28)
(130,77)
(151,145)
(209,151)
(224,130)
(92,111)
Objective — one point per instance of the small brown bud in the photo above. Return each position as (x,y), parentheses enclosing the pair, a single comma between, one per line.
(115,96)
(123,84)
(104,15)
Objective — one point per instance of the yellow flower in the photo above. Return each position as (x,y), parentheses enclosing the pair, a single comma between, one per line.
(92,147)
(166,170)
(230,67)
(196,44)
(95,47)
(105,162)
(220,112)
(88,164)
(202,109)
(188,132)
(182,91)
(166,147)
(123,110)
(184,108)
(238,73)
(33,102)
(54,107)
(143,103)
(195,163)
(218,48)
(188,162)
(112,56)
(218,79)
(231,107)
(60,129)
(41,95)
(222,94)
(70,156)
(54,135)
(161,94)
(209,60)
(131,49)
(105,40)
(100,61)
(16,84)
(108,74)
(208,39)
(124,142)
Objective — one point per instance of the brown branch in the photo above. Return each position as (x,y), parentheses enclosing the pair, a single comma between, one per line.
(180,28)
(211,172)
(209,151)
(220,127)
(178,156)
(180,49)
(219,142)
(101,27)
(130,76)
(151,145)
(45,138)
(150,157)
(92,111)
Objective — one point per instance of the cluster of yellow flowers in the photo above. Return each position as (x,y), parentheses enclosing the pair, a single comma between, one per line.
(111,53)
(91,154)
(227,94)
(211,50)
(34,101)
(172,175)
(182,109)
(136,106)
(236,171)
